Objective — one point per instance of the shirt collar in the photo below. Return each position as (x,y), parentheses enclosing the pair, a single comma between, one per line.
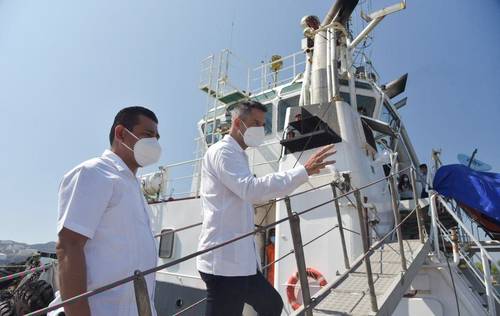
(116,161)
(228,138)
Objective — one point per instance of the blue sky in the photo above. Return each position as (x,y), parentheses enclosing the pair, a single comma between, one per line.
(67,67)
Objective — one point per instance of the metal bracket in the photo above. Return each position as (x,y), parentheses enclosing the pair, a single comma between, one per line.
(299,255)
(141,294)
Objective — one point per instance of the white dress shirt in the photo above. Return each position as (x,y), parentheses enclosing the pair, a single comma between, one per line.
(101,199)
(228,190)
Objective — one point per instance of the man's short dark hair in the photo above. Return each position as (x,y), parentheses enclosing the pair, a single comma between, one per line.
(244,108)
(129,117)
(423,165)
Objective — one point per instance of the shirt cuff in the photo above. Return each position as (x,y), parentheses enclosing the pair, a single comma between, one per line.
(79,229)
(299,174)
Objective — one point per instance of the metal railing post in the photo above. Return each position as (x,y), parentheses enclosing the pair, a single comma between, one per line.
(299,256)
(341,226)
(364,238)
(264,66)
(397,221)
(417,205)
(435,236)
(249,81)
(294,69)
(141,295)
(487,284)
(454,245)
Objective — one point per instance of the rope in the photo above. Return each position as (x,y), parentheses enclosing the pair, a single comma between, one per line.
(292,251)
(190,307)
(26,272)
(263,268)
(197,253)
(178,229)
(152,270)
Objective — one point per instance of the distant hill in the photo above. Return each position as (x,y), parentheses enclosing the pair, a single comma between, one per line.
(46,247)
(12,251)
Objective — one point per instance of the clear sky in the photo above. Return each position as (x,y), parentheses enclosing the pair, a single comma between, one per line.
(67,67)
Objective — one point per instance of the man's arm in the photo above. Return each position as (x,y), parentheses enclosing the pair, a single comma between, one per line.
(72,271)
(236,176)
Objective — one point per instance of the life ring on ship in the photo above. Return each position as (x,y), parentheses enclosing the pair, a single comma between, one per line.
(292,285)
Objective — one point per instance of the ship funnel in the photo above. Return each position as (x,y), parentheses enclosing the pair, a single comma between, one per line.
(340,12)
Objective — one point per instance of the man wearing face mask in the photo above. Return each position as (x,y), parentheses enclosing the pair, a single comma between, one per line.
(104,226)
(228,191)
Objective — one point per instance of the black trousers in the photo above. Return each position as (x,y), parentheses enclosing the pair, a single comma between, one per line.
(227,295)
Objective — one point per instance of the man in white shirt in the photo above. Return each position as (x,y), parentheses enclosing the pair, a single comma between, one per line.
(228,190)
(104,226)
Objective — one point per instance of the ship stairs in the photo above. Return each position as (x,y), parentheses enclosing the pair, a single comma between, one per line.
(377,281)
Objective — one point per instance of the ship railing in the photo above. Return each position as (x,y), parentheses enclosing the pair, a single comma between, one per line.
(224,74)
(269,264)
(172,181)
(263,77)
(182,180)
(479,263)
(228,73)
(293,218)
(368,250)
(472,225)
(207,72)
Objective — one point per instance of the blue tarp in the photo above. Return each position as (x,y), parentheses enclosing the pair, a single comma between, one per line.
(475,189)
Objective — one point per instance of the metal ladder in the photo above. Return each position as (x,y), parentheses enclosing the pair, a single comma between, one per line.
(375,283)
(351,296)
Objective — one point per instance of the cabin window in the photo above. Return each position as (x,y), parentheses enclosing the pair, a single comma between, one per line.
(220,111)
(282,106)
(166,249)
(291,88)
(210,131)
(266,96)
(388,116)
(366,105)
(357,84)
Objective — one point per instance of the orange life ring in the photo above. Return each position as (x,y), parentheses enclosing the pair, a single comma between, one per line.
(292,282)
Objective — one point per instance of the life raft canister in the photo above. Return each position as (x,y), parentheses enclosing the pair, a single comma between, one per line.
(292,284)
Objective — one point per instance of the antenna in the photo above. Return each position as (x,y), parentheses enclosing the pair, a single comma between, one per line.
(472,157)
(232,29)
(472,162)
(374,19)
(231,35)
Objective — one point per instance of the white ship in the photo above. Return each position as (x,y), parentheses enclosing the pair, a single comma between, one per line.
(329,92)
(348,242)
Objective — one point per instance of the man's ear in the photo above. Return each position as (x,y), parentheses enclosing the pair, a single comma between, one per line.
(119,131)
(237,122)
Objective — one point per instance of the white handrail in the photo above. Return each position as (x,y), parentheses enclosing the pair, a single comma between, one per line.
(464,227)
(485,256)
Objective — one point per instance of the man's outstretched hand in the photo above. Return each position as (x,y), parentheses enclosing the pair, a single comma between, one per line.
(317,161)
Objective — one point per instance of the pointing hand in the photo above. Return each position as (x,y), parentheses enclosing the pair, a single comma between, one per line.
(316,162)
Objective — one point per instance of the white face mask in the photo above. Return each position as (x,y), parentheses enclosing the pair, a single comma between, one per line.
(253,136)
(147,151)
(272,239)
